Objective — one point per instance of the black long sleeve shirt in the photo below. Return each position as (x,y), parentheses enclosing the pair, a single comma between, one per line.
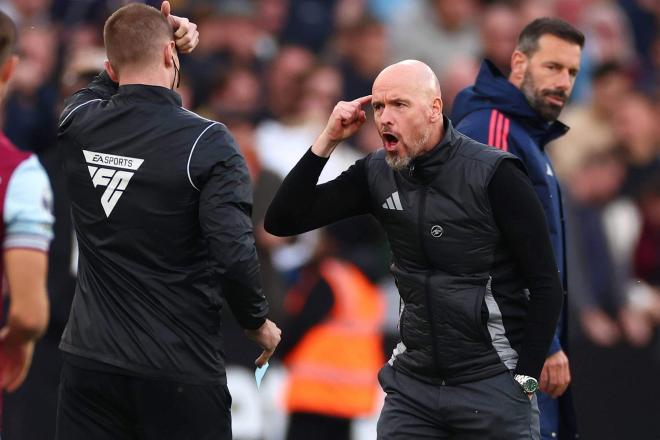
(300,205)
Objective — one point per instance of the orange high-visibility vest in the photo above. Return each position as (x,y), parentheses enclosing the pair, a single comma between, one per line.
(333,369)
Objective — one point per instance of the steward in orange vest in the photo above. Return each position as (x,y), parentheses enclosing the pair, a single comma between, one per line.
(333,368)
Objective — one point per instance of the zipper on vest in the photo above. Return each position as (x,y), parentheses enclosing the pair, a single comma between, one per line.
(427,277)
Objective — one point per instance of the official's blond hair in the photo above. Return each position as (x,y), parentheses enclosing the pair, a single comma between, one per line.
(135,36)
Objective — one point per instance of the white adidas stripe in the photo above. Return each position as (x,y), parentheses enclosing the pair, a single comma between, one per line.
(393,202)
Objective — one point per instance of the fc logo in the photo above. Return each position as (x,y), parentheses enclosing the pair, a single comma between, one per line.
(115,183)
(114,180)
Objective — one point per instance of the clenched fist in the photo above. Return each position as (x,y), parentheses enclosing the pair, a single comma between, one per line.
(345,120)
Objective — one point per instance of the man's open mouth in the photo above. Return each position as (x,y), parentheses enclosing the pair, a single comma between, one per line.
(390,141)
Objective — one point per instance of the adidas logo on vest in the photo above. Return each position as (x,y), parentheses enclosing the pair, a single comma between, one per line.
(393,202)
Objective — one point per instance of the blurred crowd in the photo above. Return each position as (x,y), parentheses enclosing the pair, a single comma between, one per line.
(272,70)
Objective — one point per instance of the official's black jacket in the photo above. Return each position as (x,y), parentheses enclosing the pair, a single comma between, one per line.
(161,204)
(467,234)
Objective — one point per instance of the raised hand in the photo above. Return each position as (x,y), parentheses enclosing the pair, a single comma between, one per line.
(186,35)
(345,120)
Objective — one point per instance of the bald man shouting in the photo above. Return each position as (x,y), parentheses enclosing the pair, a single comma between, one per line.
(471,257)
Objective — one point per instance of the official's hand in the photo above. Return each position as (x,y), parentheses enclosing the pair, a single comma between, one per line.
(186,35)
(15,360)
(556,375)
(267,337)
(345,120)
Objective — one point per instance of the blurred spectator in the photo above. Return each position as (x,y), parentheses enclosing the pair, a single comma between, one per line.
(460,74)
(81,37)
(499,29)
(572,10)
(281,142)
(283,80)
(209,61)
(93,12)
(650,81)
(596,283)
(276,138)
(242,35)
(297,86)
(271,15)
(592,123)
(27,12)
(30,111)
(232,39)
(81,66)
(528,10)
(301,93)
(237,94)
(362,47)
(638,133)
(644,15)
(385,10)
(647,254)
(331,382)
(277,135)
(348,12)
(309,23)
(322,88)
(435,31)
(609,38)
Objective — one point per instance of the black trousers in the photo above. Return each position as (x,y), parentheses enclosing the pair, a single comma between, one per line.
(109,406)
(303,426)
(495,408)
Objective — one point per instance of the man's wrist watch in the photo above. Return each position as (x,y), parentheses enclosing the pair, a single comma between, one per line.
(528,383)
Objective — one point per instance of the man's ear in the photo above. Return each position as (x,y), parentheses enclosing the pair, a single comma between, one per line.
(168,53)
(436,109)
(8,68)
(519,64)
(111,72)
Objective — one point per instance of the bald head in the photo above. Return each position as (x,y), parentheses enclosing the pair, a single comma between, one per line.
(413,75)
(407,111)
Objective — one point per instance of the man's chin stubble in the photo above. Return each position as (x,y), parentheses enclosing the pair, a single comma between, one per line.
(396,162)
(549,112)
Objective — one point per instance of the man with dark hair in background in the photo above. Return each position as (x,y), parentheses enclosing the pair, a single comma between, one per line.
(161,203)
(25,234)
(519,115)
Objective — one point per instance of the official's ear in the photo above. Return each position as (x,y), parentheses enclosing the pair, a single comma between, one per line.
(8,68)
(111,72)
(169,52)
